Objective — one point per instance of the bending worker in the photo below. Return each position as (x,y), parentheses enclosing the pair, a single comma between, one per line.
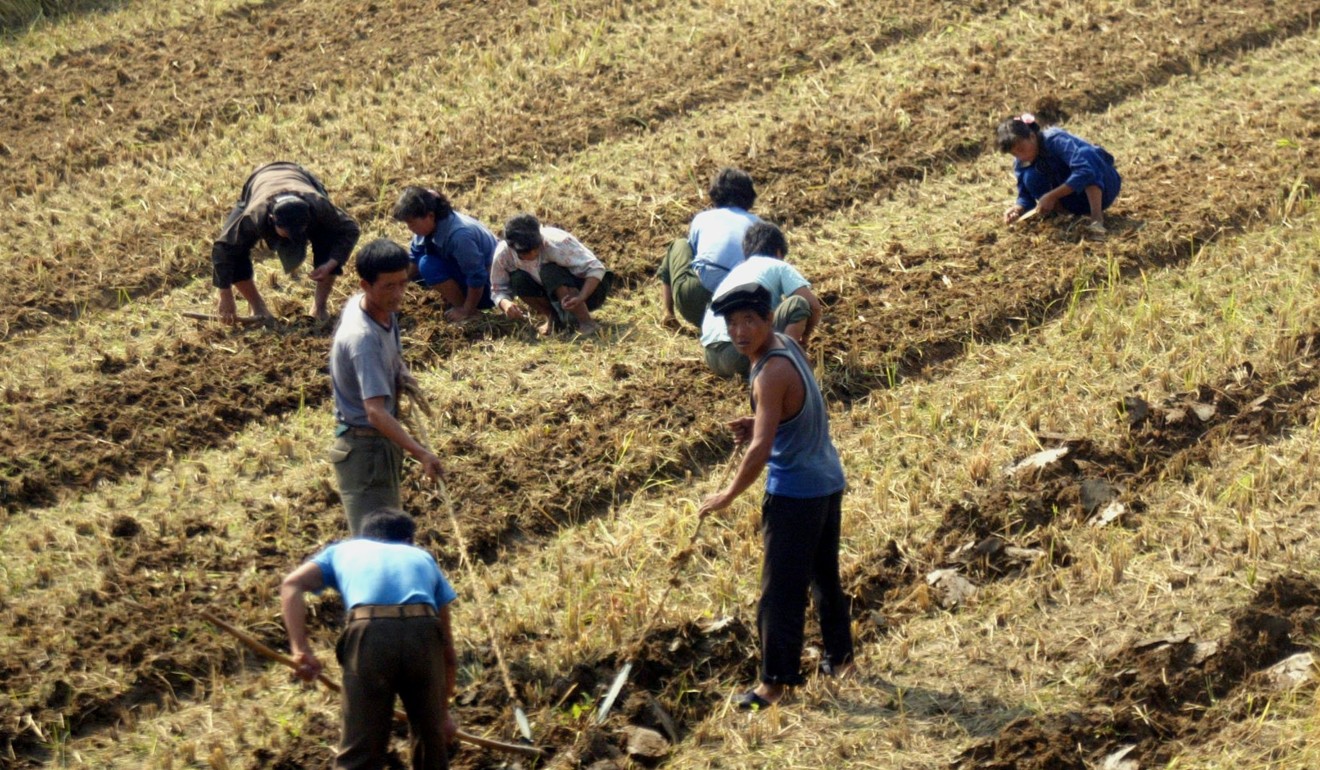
(286,206)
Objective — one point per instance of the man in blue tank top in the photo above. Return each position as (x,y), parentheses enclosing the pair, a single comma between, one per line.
(789,431)
(398,640)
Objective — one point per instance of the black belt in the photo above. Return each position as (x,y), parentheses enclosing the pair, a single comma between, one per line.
(353,430)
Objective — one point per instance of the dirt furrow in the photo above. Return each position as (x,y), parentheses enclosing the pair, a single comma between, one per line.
(618,97)
(1002,530)
(829,161)
(1155,692)
(992,287)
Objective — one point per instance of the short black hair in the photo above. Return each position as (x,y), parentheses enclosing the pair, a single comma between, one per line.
(416,202)
(732,187)
(390,525)
(380,256)
(747,296)
(1014,130)
(523,232)
(766,239)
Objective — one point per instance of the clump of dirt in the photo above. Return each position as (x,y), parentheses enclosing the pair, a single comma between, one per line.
(1158,690)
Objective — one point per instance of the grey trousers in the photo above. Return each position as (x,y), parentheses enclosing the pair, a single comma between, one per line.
(369,469)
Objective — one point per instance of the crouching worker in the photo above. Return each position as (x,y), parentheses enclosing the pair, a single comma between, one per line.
(694,266)
(796,308)
(800,516)
(1056,169)
(545,266)
(450,252)
(398,640)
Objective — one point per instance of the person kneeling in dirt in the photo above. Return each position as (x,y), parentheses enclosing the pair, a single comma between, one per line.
(1055,168)
(693,267)
(366,374)
(398,640)
(546,267)
(796,308)
(286,206)
(801,512)
(450,251)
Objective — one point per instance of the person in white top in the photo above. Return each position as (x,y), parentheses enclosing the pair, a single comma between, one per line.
(547,267)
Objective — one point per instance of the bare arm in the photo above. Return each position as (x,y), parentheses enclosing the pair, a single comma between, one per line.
(770,390)
(293,606)
(389,427)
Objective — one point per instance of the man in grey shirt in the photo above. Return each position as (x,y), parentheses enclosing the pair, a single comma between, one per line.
(366,374)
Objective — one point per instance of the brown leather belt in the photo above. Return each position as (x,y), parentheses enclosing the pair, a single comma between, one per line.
(377,611)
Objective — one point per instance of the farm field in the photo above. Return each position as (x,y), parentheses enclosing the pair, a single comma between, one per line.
(152,468)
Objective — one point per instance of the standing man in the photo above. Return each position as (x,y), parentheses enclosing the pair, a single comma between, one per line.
(796,308)
(366,374)
(800,516)
(398,640)
(286,206)
(694,266)
(451,252)
(545,266)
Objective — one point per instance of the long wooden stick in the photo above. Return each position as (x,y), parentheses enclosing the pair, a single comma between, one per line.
(245,320)
(519,715)
(254,644)
(419,400)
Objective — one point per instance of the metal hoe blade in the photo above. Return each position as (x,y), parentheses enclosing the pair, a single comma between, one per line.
(524,726)
(613,694)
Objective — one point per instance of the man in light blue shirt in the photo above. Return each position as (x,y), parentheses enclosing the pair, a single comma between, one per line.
(796,308)
(694,266)
(398,640)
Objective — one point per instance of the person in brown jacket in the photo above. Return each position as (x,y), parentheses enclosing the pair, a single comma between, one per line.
(286,206)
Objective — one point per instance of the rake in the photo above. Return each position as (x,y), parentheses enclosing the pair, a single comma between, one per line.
(519,715)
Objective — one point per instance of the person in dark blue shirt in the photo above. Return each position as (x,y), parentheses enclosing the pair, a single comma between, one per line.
(1056,169)
(450,251)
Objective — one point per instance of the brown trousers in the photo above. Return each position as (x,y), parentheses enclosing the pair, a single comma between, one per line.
(382,658)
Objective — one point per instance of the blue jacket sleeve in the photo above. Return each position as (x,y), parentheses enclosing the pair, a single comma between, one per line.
(1085,166)
(466,251)
(1024,199)
(416,249)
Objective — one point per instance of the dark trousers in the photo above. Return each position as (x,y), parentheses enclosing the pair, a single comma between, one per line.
(382,658)
(801,551)
(553,276)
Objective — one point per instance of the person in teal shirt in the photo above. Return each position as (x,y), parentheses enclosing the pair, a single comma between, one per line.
(796,308)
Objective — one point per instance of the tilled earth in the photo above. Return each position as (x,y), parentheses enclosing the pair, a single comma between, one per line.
(132,414)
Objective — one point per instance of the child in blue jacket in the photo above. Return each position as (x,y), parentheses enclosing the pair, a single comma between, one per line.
(1055,168)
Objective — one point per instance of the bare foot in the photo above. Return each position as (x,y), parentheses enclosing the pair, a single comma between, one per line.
(671,322)
(588,328)
(546,329)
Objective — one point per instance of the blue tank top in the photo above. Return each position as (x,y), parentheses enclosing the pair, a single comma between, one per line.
(803,462)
